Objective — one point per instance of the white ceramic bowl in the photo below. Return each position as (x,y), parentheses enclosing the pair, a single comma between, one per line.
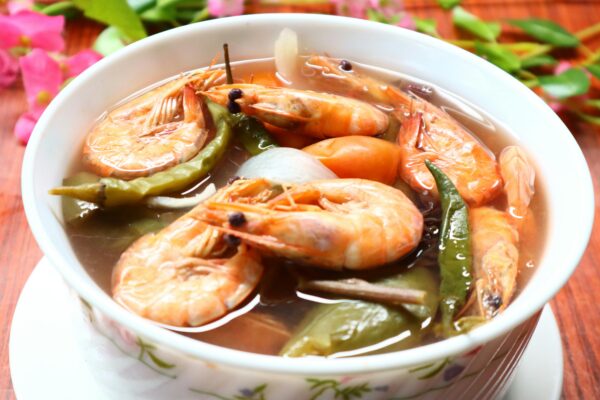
(126,350)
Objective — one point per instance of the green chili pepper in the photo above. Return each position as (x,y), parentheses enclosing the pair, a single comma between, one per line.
(454,255)
(252,134)
(75,210)
(351,325)
(111,192)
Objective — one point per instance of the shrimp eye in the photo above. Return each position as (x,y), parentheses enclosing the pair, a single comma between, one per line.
(231,240)
(236,219)
(235,94)
(345,65)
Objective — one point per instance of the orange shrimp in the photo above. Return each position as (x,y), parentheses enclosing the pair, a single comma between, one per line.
(427,132)
(495,235)
(175,277)
(320,115)
(359,157)
(340,223)
(152,132)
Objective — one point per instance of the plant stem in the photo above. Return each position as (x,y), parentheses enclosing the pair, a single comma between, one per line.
(202,15)
(588,32)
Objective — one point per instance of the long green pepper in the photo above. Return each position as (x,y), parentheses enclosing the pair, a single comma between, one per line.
(110,192)
(252,134)
(454,256)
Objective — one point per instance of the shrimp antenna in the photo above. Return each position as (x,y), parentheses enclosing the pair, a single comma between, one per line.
(227,64)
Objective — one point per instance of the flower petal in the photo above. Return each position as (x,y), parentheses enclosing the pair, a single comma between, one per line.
(24,127)
(224,8)
(43,31)
(10,33)
(9,68)
(15,6)
(79,62)
(42,78)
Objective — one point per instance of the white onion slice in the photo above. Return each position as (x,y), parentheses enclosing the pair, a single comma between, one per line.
(285,165)
(286,55)
(181,202)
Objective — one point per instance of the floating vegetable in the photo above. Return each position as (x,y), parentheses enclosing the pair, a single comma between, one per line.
(181,202)
(349,325)
(75,210)
(454,255)
(286,55)
(252,134)
(285,165)
(111,192)
(358,157)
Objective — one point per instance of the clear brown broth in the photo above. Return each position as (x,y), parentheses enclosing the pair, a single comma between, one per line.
(260,323)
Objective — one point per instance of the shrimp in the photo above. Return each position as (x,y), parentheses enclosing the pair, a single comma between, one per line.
(173,276)
(351,223)
(495,235)
(153,132)
(427,132)
(319,115)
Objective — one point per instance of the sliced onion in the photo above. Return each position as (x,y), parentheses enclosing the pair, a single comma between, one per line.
(285,165)
(181,202)
(286,55)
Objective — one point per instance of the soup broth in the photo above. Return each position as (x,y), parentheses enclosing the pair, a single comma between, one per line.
(264,322)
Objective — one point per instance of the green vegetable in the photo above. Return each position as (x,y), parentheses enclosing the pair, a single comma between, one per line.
(75,210)
(116,13)
(541,60)
(454,255)
(351,325)
(546,31)
(448,4)
(485,30)
(139,6)
(427,26)
(572,82)
(252,134)
(111,192)
(499,56)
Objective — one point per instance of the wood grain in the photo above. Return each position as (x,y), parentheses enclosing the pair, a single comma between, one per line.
(576,306)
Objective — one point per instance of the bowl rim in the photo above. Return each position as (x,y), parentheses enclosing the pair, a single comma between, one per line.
(308,366)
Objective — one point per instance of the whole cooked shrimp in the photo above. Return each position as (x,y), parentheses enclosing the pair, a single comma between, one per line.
(320,115)
(427,133)
(175,276)
(495,235)
(341,223)
(155,131)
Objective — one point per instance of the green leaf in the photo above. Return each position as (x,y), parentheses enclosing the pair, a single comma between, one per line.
(66,8)
(448,4)
(427,26)
(499,56)
(541,60)
(572,82)
(594,70)
(377,16)
(140,6)
(485,30)
(546,31)
(109,41)
(159,14)
(115,13)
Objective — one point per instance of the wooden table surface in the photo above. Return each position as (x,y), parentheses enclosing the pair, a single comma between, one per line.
(575,307)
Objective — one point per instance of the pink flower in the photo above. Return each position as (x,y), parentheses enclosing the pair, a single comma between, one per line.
(352,8)
(79,62)
(9,69)
(33,30)
(562,67)
(15,6)
(406,22)
(224,8)
(24,127)
(42,77)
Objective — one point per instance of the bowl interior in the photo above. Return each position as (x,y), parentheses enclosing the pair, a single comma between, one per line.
(560,163)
